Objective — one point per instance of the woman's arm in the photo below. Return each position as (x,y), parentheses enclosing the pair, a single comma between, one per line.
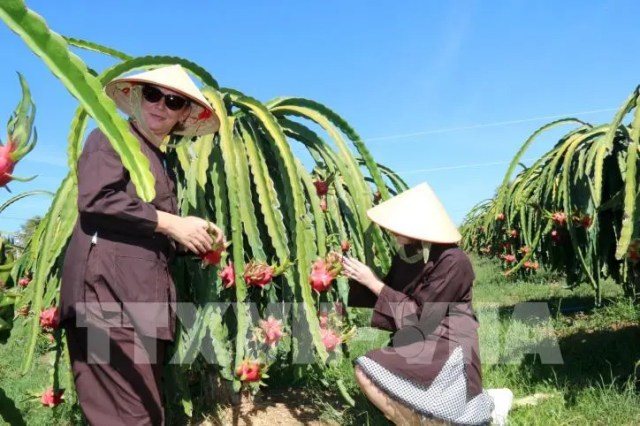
(360,296)
(451,276)
(364,288)
(102,194)
(102,190)
(189,232)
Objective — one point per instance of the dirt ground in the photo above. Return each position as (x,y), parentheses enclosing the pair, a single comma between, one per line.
(286,409)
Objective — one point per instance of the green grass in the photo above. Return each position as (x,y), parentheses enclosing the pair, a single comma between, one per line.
(20,394)
(596,382)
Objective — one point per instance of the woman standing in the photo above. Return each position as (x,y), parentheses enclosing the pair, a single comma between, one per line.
(117,297)
(432,370)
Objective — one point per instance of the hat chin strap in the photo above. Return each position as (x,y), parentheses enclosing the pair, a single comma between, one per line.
(421,255)
(137,117)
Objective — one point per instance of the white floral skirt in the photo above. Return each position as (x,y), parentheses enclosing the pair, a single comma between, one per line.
(445,399)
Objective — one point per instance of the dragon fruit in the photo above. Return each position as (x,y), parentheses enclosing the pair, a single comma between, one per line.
(49,318)
(559,218)
(323,318)
(320,280)
(333,263)
(633,252)
(257,274)
(330,339)
(213,256)
(51,398)
(323,204)
(248,371)
(322,187)
(228,276)
(7,163)
(19,131)
(272,329)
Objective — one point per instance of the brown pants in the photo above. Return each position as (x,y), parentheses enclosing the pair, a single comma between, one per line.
(123,388)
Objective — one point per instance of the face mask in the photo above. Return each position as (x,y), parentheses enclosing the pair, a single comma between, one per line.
(421,255)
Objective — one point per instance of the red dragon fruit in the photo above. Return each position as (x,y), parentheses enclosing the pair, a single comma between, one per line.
(49,318)
(583,221)
(320,280)
(213,256)
(51,398)
(19,132)
(228,276)
(322,187)
(319,264)
(7,163)
(330,339)
(257,274)
(559,218)
(248,371)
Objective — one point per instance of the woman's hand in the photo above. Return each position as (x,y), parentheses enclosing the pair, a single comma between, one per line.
(218,233)
(358,271)
(192,232)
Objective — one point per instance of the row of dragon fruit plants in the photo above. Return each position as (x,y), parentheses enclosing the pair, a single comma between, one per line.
(573,210)
(288,226)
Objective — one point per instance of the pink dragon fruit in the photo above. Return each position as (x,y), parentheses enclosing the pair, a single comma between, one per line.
(228,276)
(272,330)
(19,132)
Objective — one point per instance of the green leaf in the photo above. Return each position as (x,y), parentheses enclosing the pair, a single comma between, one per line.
(294,193)
(95,47)
(73,73)
(630,186)
(55,232)
(228,154)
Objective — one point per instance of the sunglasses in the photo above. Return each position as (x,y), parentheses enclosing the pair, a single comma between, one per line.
(153,94)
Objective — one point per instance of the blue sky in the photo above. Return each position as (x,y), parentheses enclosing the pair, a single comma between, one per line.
(441,91)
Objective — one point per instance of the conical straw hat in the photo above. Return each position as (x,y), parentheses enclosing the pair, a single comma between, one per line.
(202,120)
(416,213)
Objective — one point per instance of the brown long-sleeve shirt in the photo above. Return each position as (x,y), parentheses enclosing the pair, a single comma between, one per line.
(428,307)
(125,272)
